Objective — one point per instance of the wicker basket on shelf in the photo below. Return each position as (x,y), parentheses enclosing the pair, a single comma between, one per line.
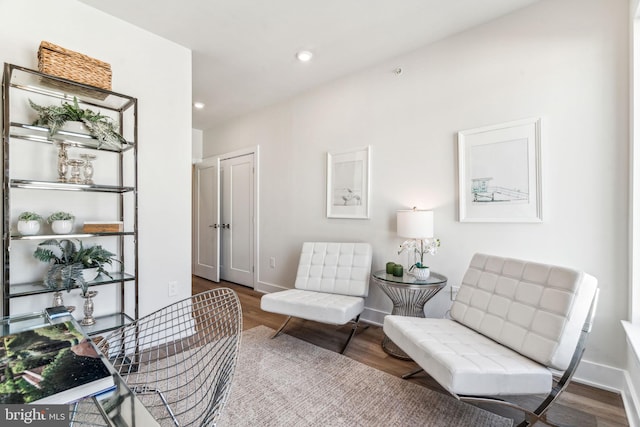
(60,62)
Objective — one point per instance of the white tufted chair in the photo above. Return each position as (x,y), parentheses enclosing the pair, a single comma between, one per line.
(331,285)
(512,323)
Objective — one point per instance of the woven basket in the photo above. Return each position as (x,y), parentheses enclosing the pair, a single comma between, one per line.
(70,65)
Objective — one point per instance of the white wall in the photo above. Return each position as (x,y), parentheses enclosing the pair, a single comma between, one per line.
(158,73)
(196,145)
(563,60)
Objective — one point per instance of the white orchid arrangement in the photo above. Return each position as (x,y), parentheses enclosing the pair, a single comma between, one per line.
(420,247)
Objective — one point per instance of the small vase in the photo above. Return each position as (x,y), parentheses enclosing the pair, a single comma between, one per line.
(88,308)
(421,273)
(28,228)
(57,299)
(62,226)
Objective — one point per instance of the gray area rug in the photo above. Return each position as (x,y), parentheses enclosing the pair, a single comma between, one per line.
(288,382)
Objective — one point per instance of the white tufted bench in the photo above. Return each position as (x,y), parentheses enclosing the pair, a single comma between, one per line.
(331,284)
(512,321)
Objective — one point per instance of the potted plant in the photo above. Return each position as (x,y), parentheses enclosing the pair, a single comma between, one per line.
(61,222)
(99,126)
(29,223)
(420,247)
(68,261)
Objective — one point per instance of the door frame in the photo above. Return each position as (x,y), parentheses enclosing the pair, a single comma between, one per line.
(255,150)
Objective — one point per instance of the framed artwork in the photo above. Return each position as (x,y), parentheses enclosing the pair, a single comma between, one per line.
(348,177)
(499,173)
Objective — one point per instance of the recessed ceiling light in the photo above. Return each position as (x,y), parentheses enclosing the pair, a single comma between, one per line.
(198,105)
(304,56)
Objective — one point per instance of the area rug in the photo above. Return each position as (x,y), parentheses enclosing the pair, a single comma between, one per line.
(289,382)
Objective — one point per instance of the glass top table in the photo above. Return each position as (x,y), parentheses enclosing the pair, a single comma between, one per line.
(119,407)
(409,297)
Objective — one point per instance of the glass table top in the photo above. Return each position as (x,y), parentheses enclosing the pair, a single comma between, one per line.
(117,407)
(407,279)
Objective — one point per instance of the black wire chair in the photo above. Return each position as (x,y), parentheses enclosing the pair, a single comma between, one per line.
(181,359)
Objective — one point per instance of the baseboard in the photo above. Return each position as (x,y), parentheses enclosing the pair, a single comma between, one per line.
(267,288)
(631,400)
(373,316)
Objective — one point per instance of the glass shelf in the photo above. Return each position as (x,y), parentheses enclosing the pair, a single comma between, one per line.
(73,139)
(37,82)
(107,323)
(54,185)
(35,288)
(69,236)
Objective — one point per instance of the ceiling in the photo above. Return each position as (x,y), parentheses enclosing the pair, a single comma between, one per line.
(244,50)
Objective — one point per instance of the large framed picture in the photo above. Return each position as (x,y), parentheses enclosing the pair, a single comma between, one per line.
(348,176)
(499,173)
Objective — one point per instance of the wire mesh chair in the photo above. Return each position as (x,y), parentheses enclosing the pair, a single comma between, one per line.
(180,360)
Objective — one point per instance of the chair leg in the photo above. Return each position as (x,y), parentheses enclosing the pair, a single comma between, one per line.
(412,373)
(353,332)
(281,327)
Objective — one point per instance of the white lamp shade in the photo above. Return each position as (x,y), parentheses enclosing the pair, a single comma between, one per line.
(415,224)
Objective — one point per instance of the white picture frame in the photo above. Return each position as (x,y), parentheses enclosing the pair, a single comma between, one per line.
(348,183)
(500,173)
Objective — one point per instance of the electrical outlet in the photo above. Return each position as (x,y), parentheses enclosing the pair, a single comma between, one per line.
(173,289)
(272,262)
(454,292)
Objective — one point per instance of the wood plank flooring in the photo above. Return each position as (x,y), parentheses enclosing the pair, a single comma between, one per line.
(579,406)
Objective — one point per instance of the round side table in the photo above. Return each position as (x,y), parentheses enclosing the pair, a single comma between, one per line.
(409,297)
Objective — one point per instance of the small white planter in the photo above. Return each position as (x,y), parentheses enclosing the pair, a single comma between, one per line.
(90,274)
(28,228)
(62,226)
(421,273)
(75,127)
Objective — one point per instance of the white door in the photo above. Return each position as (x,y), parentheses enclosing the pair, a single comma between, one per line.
(237,219)
(207,220)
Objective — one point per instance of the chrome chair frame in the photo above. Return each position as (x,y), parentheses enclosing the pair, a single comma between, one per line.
(539,414)
(180,360)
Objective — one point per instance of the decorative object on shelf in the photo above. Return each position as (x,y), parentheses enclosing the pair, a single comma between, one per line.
(29,223)
(417,226)
(100,126)
(62,161)
(88,308)
(71,65)
(87,170)
(103,227)
(57,299)
(61,222)
(68,262)
(74,174)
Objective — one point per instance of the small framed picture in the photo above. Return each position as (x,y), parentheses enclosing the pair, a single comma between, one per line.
(348,176)
(499,173)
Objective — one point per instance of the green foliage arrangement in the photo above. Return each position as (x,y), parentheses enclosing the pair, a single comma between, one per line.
(68,260)
(29,216)
(60,216)
(100,126)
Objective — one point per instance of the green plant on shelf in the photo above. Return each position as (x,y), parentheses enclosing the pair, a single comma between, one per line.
(67,260)
(100,126)
(60,216)
(29,216)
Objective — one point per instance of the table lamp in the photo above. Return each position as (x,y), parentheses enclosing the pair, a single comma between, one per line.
(417,226)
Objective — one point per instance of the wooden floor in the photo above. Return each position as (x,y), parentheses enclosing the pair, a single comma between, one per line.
(579,406)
